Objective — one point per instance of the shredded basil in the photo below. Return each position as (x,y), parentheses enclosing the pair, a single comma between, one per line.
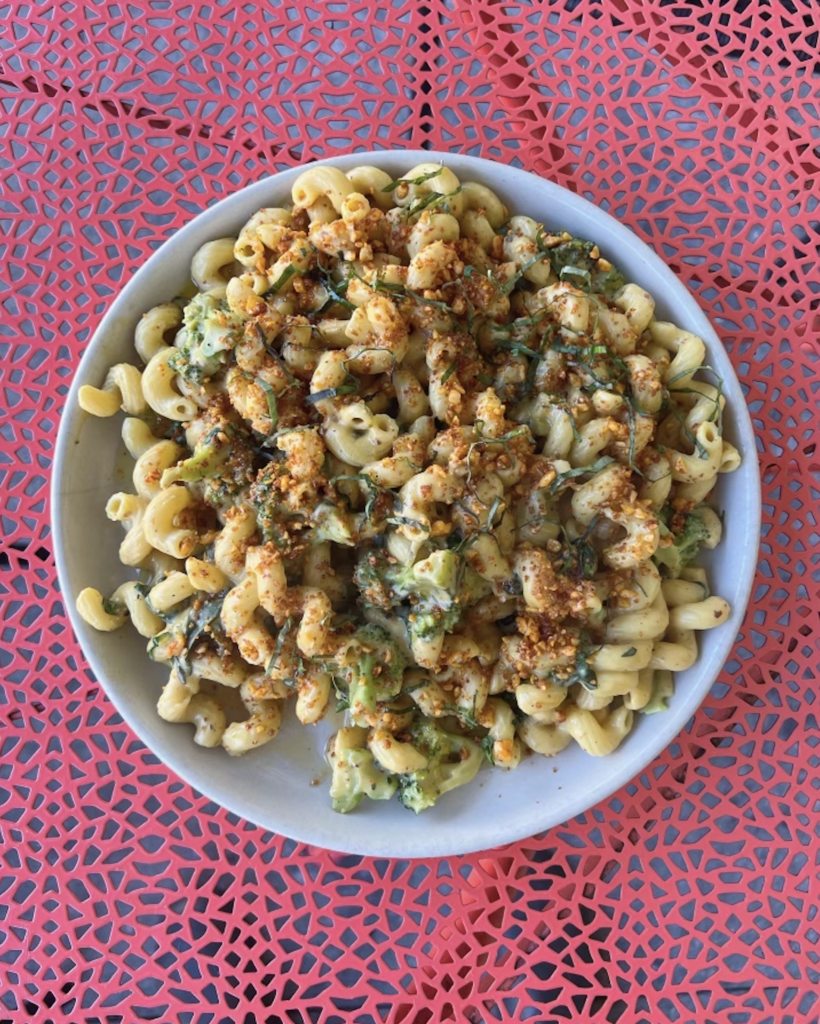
(404,521)
(572,474)
(431,200)
(508,286)
(336,289)
(202,617)
(580,557)
(483,440)
(289,272)
(270,398)
(187,627)
(581,671)
(702,453)
(399,291)
(349,387)
(570,271)
(573,256)
(488,745)
(463,714)
(688,373)
(391,186)
(280,642)
(374,491)
(159,640)
(497,503)
(277,358)
(581,350)
(632,433)
(717,412)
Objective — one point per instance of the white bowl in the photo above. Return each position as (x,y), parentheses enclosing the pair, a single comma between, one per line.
(283,786)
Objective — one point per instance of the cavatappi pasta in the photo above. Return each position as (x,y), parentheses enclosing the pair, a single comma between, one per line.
(406,455)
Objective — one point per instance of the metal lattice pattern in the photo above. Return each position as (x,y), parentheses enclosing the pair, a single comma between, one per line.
(690,896)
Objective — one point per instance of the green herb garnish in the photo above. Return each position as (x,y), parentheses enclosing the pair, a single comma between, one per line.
(349,387)
(270,398)
(111,607)
(572,474)
(391,186)
(280,642)
(289,272)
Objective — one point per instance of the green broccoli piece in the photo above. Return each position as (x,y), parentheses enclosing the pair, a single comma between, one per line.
(278,522)
(222,461)
(427,623)
(183,631)
(427,595)
(332,523)
(355,774)
(434,579)
(663,689)
(377,673)
(373,577)
(686,545)
(291,525)
(385,584)
(472,588)
(208,456)
(574,255)
(452,761)
(210,330)
(234,476)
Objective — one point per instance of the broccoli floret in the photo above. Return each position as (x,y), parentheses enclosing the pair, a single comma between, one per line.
(208,457)
(427,595)
(451,761)
(209,331)
(686,545)
(426,630)
(375,670)
(373,577)
(473,588)
(431,621)
(355,775)
(278,522)
(433,581)
(184,629)
(293,514)
(575,253)
(663,689)
(385,583)
(332,523)
(434,588)
(222,461)
(233,478)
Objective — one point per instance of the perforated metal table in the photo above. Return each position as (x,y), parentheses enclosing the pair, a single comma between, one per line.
(690,896)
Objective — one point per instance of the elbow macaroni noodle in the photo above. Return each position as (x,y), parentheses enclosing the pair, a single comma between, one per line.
(477,411)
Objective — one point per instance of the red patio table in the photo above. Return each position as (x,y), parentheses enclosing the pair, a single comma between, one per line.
(691,895)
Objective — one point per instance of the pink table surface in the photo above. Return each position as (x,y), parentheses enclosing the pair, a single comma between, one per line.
(690,896)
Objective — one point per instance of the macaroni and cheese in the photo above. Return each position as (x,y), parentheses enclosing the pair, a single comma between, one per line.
(406,456)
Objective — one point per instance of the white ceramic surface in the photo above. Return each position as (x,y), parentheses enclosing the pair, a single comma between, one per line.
(283,787)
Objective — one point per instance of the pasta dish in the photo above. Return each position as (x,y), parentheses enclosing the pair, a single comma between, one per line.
(403,456)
